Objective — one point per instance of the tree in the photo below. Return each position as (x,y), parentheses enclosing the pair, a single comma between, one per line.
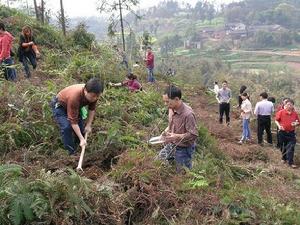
(36,9)
(62,16)
(117,6)
(169,44)
(199,12)
(81,37)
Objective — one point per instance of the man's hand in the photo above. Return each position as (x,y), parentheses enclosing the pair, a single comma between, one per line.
(31,43)
(82,142)
(87,129)
(280,128)
(171,137)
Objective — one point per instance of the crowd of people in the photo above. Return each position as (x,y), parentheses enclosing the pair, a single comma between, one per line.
(27,52)
(286,119)
(181,134)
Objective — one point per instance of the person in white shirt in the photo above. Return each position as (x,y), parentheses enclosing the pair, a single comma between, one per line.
(216,87)
(223,98)
(246,111)
(263,110)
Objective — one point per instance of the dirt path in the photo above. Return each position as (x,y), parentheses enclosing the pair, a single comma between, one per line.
(250,154)
(277,180)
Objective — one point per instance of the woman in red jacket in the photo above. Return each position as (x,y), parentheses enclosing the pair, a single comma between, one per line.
(6,61)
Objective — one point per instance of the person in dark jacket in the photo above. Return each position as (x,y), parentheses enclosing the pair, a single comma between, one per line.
(28,51)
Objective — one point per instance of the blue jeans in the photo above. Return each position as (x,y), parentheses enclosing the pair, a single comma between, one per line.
(9,73)
(183,156)
(26,59)
(66,130)
(150,74)
(246,130)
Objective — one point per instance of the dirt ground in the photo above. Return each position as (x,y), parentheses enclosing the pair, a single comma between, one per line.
(249,156)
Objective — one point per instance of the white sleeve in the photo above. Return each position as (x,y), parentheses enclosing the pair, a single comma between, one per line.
(256,109)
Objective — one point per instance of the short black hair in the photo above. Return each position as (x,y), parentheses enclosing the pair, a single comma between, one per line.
(173,92)
(94,85)
(272,99)
(245,94)
(264,95)
(284,99)
(2,26)
(290,101)
(131,76)
(149,48)
(216,82)
(242,89)
(225,81)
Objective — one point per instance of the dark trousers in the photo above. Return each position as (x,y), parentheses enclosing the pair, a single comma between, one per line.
(288,141)
(26,59)
(9,72)
(264,123)
(224,108)
(70,140)
(183,156)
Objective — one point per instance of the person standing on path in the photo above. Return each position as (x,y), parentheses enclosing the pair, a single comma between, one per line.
(6,61)
(246,111)
(28,51)
(150,64)
(263,110)
(66,111)
(287,120)
(278,108)
(224,97)
(182,128)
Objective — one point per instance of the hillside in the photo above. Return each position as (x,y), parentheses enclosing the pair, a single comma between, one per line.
(122,181)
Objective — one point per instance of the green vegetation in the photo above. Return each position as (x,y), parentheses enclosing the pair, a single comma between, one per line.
(123,182)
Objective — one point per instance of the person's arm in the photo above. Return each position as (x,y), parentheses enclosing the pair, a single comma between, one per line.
(73,115)
(229,95)
(191,131)
(278,125)
(77,131)
(25,45)
(277,120)
(218,97)
(88,126)
(256,109)
(115,84)
(4,49)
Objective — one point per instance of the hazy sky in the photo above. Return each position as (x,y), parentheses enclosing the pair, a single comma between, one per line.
(75,8)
